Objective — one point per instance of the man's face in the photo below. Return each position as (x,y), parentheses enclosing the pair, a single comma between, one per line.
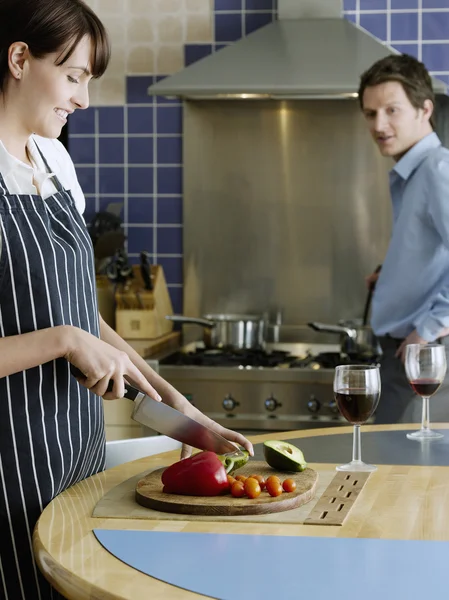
(395,124)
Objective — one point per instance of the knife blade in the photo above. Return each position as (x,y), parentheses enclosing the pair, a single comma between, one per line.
(171,422)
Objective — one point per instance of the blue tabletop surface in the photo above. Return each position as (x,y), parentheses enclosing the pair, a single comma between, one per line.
(243,567)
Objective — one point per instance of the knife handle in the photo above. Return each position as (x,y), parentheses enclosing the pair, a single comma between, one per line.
(130,392)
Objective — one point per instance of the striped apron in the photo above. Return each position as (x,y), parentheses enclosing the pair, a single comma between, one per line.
(51,428)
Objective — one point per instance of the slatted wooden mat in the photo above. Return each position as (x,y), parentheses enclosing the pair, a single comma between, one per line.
(337,499)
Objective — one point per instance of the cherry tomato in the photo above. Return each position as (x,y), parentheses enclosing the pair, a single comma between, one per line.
(252,487)
(241,478)
(231,480)
(260,479)
(237,489)
(274,488)
(289,485)
(273,478)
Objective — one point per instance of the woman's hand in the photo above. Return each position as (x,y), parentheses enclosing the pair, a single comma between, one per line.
(178,401)
(100,362)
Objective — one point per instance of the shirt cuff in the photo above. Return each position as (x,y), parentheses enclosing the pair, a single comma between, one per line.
(429,329)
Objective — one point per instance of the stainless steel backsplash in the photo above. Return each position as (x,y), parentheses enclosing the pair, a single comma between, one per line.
(286,208)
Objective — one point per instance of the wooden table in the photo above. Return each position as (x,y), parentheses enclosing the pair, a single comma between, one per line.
(398,502)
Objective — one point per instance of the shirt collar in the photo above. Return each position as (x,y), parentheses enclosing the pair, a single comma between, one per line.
(9,163)
(408,163)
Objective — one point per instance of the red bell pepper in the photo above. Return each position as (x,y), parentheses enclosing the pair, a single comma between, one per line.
(202,474)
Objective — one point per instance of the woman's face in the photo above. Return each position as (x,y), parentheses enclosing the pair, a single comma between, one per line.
(48,93)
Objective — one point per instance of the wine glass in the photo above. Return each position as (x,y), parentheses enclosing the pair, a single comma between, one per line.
(357,393)
(425,366)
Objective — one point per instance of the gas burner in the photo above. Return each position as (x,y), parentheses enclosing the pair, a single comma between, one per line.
(328,360)
(229,358)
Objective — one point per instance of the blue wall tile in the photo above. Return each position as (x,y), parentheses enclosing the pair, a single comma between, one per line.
(137,89)
(349,4)
(176,297)
(259,5)
(140,150)
(110,119)
(140,119)
(228,5)
(411,49)
(351,18)
(169,150)
(195,52)
(228,27)
(140,210)
(172,267)
(436,56)
(404,4)
(82,121)
(82,150)
(86,178)
(140,180)
(169,240)
(373,4)
(254,21)
(112,180)
(169,210)
(169,180)
(435,3)
(435,26)
(112,150)
(375,24)
(140,238)
(169,119)
(404,26)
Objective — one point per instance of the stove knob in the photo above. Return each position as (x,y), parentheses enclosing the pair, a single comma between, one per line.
(313,404)
(271,403)
(333,407)
(229,403)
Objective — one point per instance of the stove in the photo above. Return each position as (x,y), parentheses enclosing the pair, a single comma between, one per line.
(285,386)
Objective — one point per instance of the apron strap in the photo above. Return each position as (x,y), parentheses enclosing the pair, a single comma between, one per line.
(55,180)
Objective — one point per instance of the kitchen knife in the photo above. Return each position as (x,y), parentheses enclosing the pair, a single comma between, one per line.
(145,269)
(171,422)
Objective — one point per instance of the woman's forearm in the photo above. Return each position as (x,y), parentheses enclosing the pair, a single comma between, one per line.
(28,350)
(112,337)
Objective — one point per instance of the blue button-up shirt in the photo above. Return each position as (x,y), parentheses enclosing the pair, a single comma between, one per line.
(412,291)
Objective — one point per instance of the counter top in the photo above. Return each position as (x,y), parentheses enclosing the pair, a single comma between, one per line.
(402,502)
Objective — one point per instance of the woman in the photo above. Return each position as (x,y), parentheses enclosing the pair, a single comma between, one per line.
(51,425)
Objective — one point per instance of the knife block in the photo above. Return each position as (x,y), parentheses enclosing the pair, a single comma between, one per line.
(140,313)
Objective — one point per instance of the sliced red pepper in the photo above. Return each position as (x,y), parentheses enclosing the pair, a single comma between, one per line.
(202,474)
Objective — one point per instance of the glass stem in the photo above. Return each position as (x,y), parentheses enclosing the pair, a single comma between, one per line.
(425,414)
(356,445)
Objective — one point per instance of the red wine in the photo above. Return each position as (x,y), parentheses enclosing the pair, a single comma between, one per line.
(425,387)
(356,405)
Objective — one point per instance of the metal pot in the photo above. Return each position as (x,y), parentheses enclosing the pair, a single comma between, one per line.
(356,341)
(228,330)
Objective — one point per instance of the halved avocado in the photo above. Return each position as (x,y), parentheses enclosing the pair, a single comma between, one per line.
(284,456)
(234,460)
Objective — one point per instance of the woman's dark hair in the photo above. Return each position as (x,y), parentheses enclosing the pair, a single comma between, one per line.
(51,25)
(406,70)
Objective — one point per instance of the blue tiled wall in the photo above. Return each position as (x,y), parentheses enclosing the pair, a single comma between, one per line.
(133,153)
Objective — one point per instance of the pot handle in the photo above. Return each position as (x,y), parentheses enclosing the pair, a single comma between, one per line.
(193,320)
(332,328)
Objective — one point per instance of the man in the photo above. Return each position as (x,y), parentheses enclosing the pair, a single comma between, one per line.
(411,299)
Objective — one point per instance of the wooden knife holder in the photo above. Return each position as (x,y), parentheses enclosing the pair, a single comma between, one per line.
(140,313)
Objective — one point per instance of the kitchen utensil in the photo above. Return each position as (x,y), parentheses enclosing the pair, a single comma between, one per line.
(145,269)
(149,493)
(369,298)
(228,330)
(169,421)
(355,341)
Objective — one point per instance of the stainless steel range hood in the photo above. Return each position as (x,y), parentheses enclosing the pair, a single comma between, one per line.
(310,52)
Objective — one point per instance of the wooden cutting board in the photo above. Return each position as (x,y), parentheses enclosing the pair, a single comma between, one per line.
(149,493)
